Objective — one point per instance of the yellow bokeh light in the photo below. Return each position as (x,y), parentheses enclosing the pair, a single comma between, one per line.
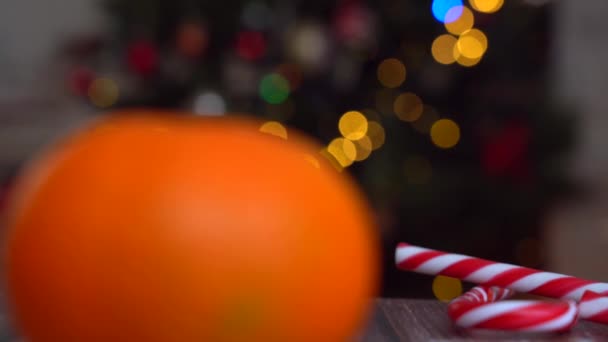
(445,133)
(408,107)
(274,128)
(427,119)
(486,6)
(443,49)
(417,170)
(446,288)
(467,62)
(479,36)
(463,23)
(353,125)
(391,73)
(343,150)
(103,92)
(376,134)
(363,147)
(472,44)
(470,47)
(331,159)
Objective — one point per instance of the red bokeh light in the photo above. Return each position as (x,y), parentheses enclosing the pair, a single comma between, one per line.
(251,45)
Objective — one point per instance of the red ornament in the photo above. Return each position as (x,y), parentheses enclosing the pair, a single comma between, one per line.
(142,57)
(250,45)
(506,152)
(79,80)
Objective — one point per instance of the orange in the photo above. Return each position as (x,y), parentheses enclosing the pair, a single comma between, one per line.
(150,227)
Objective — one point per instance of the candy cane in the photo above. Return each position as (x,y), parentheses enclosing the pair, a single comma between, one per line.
(593,296)
(482,308)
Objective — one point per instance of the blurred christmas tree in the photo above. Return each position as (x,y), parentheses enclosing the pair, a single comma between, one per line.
(460,147)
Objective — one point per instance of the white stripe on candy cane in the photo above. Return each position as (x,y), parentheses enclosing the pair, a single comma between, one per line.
(439,263)
(593,307)
(578,293)
(487,272)
(489,311)
(404,253)
(531,282)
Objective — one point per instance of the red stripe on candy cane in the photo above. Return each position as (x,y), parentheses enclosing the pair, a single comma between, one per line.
(509,277)
(420,258)
(559,288)
(464,268)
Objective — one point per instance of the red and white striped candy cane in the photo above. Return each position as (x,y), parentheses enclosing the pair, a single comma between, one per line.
(483,308)
(594,307)
(522,279)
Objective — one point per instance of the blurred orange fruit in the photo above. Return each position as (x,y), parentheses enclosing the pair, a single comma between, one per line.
(164,228)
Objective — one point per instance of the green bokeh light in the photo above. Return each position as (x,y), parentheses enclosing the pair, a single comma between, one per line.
(274,88)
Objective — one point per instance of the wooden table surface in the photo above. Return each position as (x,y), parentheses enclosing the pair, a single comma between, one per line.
(426,320)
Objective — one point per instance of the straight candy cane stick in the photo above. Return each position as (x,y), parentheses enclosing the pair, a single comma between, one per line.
(490,273)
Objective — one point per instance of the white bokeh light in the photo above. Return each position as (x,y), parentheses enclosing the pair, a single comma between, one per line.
(209,103)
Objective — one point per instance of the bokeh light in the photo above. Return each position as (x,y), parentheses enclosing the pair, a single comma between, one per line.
(408,107)
(363,147)
(391,73)
(343,150)
(443,49)
(464,22)
(427,119)
(240,78)
(274,128)
(486,6)
(274,88)
(441,10)
(445,133)
(468,62)
(417,170)
(103,92)
(446,288)
(472,44)
(376,134)
(353,125)
(192,39)
(309,45)
(209,103)
(250,45)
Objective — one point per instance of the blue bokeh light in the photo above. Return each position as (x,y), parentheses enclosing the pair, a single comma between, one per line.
(441,10)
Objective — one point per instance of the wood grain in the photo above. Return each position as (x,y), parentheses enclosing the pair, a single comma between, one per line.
(426,320)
